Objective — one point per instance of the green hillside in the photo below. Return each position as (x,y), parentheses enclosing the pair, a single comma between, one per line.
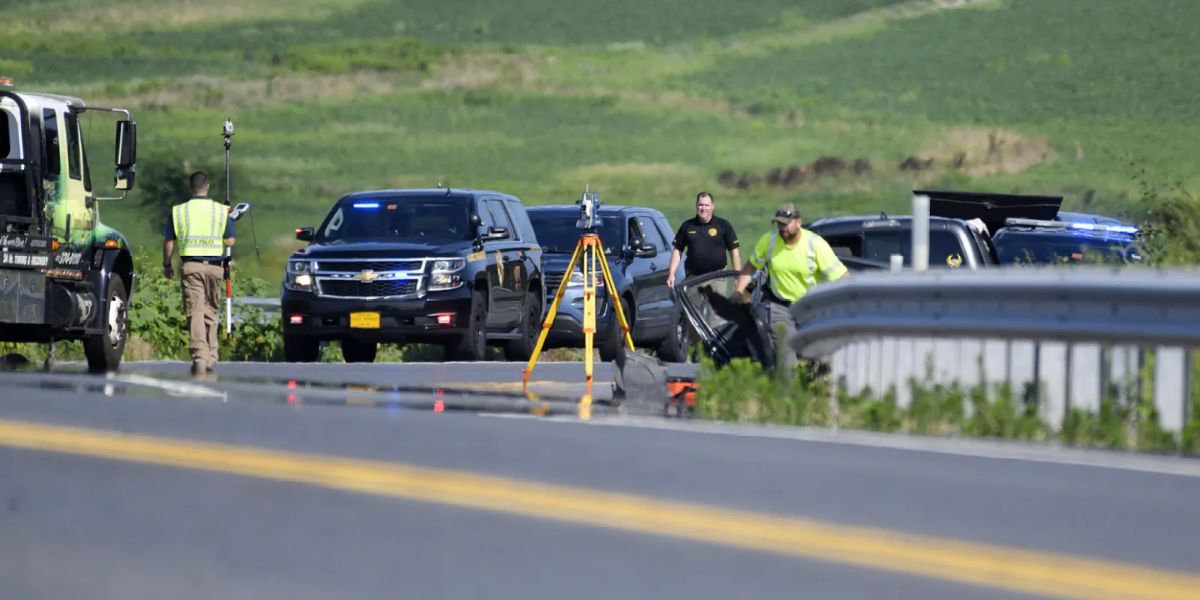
(816,101)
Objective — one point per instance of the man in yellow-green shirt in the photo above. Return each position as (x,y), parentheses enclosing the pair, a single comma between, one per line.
(795,262)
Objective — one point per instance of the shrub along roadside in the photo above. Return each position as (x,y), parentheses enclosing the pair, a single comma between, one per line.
(744,392)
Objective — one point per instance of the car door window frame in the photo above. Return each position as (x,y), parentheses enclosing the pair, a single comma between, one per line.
(646,223)
(661,225)
(491,204)
(631,223)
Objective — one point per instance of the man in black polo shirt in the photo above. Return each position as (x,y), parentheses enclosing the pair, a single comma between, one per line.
(706,238)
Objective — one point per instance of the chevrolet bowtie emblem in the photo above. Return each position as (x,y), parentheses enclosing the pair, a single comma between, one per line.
(368,276)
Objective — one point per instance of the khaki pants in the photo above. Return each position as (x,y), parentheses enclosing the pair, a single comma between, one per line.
(202,302)
(783,327)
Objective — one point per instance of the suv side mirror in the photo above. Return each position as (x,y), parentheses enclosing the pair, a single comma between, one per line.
(644,250)
(496,233)
(304,234)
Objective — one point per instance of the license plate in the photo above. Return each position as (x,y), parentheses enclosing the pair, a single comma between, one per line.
(364,320)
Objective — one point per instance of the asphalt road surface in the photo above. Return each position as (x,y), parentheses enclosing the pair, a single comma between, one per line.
(443,481)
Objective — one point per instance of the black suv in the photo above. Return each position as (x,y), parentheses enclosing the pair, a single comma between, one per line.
(638,250)
(460,268)
(1071,238)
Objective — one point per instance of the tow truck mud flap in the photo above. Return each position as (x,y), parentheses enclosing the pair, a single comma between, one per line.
(22,297)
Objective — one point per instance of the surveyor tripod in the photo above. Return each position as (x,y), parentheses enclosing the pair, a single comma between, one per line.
(589,253)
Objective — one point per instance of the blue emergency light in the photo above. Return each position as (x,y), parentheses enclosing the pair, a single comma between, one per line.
(1127,229)
(1093,227)
(366,205)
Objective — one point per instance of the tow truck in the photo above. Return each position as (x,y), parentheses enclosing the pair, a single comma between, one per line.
(64,275)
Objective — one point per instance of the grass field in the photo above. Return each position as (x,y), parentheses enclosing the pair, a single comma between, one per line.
(649,102)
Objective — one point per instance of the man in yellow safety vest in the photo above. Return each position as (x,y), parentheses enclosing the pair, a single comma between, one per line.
(802,260)
(202,228)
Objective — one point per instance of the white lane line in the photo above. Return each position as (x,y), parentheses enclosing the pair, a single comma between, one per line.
(974,448)
(173,388)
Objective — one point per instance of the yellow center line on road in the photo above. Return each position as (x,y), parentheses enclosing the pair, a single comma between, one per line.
(1012,569)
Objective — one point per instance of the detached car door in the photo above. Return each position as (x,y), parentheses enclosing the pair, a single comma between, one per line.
(727,329)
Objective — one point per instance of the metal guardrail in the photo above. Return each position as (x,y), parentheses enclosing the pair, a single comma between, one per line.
(264,304)
(1113,306)
(1075,334)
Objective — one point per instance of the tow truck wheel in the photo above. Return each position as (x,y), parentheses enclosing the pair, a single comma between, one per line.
(356,351)
(472,346)
(521,348)
(104,350)
(298,348)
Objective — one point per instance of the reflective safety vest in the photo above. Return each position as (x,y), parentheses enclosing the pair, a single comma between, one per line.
(200,227)
(795,270)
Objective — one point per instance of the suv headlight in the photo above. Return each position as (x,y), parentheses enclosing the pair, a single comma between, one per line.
(449,264)
(299,276)
(445,274)
(576,280)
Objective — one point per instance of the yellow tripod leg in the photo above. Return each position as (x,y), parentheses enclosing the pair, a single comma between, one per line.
(549,320)
(589,310)
(615,301)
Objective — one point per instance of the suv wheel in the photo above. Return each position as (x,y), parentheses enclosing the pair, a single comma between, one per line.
(675,347)
(472,346)
(612,344)
(357,351)
(521,348)
(104,351)
(298,348)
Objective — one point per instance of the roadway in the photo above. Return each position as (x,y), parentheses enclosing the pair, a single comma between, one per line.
(319,481)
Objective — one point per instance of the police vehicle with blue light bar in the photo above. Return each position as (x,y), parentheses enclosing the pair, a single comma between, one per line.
(1065,241)
(459,268)
(978,230)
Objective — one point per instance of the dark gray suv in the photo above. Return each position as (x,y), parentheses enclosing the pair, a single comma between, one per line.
(638,249)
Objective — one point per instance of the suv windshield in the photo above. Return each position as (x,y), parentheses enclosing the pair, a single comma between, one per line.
(408,218)
(1016,247)
(944,247)
(557,234)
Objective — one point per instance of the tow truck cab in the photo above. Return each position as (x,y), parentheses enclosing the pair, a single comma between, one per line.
(63,273)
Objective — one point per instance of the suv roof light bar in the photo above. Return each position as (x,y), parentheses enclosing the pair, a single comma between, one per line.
(1018,222)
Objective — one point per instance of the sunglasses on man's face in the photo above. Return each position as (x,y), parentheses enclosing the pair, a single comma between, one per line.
(787,214)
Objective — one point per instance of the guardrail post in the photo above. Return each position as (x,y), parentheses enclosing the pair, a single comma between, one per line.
(1170,393)
(920,233)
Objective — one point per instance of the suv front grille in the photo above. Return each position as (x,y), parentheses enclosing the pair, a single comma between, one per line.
(552,282)
(353,288)
(378,265)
